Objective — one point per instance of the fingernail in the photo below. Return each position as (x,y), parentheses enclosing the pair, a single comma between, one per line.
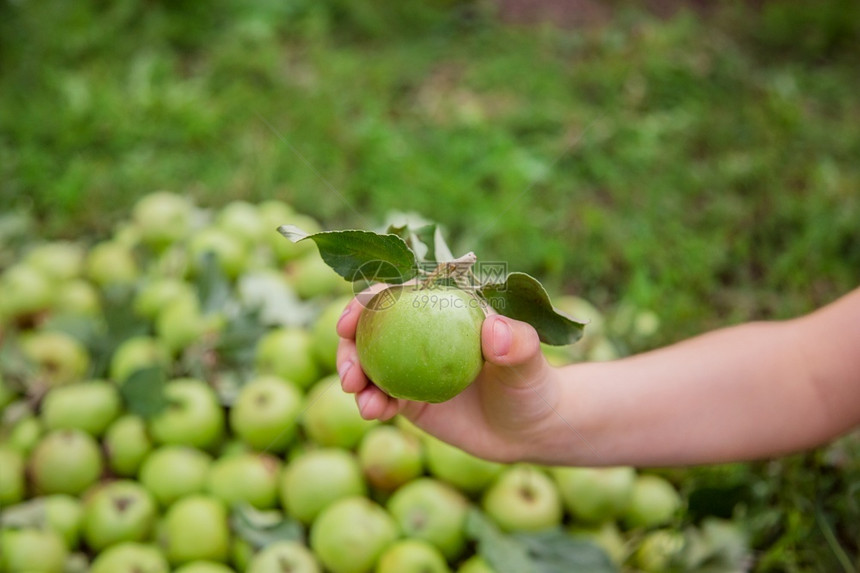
(343,314)
(502,337)
(343,368)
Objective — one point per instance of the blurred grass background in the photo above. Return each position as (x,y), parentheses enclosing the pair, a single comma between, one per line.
(705,168)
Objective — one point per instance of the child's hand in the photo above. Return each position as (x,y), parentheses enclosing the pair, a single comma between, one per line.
(504,415)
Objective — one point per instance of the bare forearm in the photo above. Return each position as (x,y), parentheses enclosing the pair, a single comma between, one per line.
(751,391)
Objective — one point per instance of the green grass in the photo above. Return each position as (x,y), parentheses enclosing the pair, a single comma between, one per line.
(708,170)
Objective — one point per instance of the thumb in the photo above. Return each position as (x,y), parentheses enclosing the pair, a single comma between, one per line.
(512,351)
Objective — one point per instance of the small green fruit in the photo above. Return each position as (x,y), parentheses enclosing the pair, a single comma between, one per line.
(194,417)
(196,528)
(130,557)
(332,418)
(60,358)
(288,353)
(250,478)
(282,556)
(162,218)
(126,444)
(475,564)
(31,551)
(136,353)
(412,556)
(458,468)
(65,515)
(208,567)
(173,472)
(523,498)
(65,461)
(315,479)
(421,344)
(654,502)
(390,457)
(350,535)
(111,263)
(430,510)
(89,406)
(266,413)
(595,495)
(118,511)
(12,483)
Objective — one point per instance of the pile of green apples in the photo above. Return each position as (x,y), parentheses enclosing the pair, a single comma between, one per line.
(168,402)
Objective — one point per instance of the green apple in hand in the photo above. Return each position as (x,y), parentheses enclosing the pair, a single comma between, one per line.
(118,511)
(196,528)
(65,461)
(193,417)
(31,551)
(433,511)
(126,444)
(266,413)
(332,418)
(284,556)
(350,535)
(412,556)
(130,557)
(89,406)
(172,472)
(315,479)
(390,457)
(523,498)
(250,477)
(421,344)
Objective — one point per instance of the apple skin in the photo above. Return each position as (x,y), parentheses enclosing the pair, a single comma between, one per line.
(523,498)
(475,564)
(435,512)
(31,551)
(110,263)
(606,536)
(158,293)
(231,253)
(181,323)
(59,260)
(65,515)
(78,297)
(660,551)
(266,413)
(118,511)
(65,461)
(242,220)
(193,418)
(460,469)
(172,472)
(162,218)
(412,556)
(196,528)
(136,353)
(422,345)
(25,434)
(595,495)
(130,557)
(284,556)
(12,481)
(26,291)
(315,479)
(324,335)
(205,567)
(331,417)
(311,277)
(89,406)
(350,535)
(390,457)
(654,502)
(287,352)
(60,358)
(245,478)
(126,444)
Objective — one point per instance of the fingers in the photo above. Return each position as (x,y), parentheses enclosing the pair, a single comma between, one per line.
(372,402)
(512,351)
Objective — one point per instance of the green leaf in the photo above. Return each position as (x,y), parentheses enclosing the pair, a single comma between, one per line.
(361,255)
(552,551)
(522,297)
(260,528)
(143,392)
(500,551)
(555,551)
